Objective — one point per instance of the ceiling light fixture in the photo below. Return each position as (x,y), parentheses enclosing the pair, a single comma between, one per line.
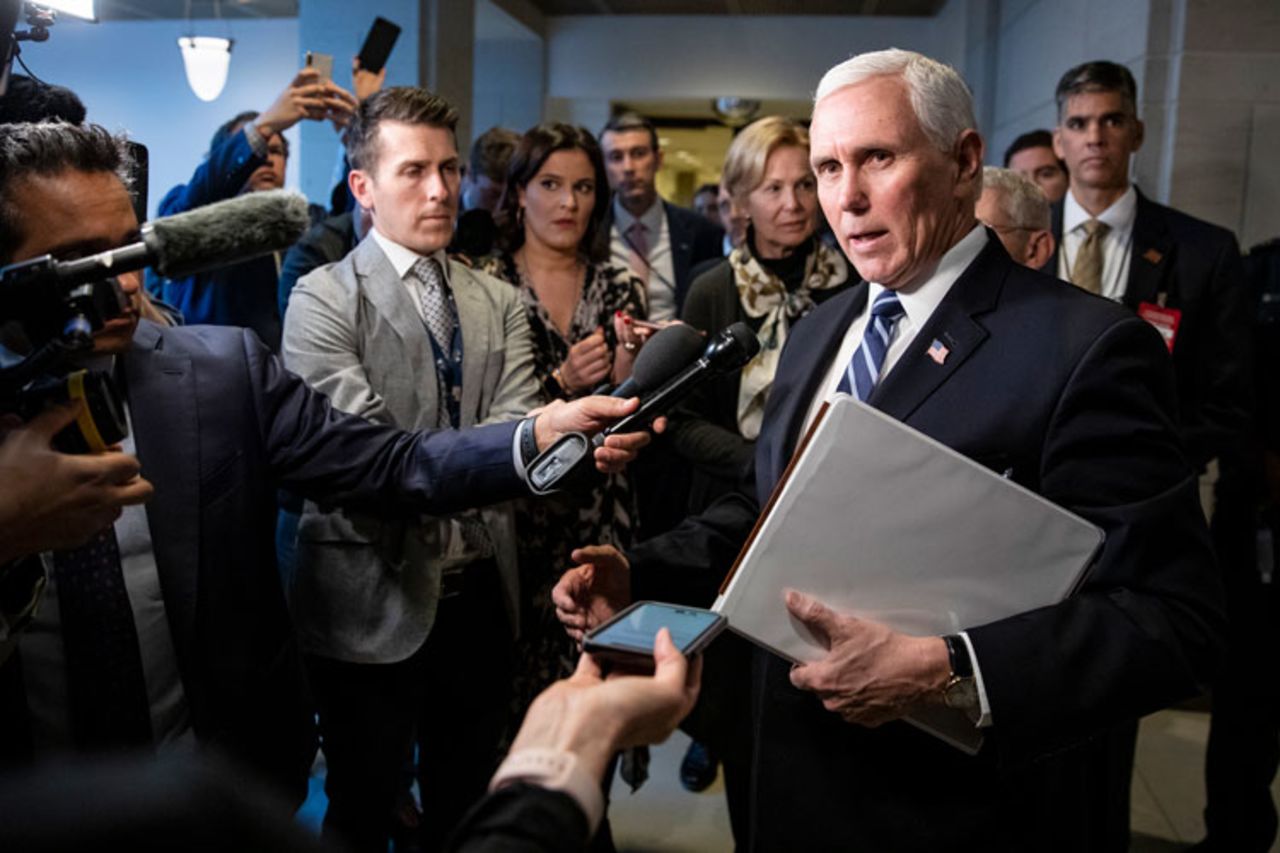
(75,8)
(207,59)
(735,112)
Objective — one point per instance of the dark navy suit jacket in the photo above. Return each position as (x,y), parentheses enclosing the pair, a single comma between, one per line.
(219,424)
(1075,396)
(1196,268)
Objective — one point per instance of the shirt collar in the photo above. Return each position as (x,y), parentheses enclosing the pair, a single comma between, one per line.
(1120,215)
(403,258)
(922,300)
(651,219)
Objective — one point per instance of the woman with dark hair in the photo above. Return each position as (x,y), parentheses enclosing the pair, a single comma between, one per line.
(582,313)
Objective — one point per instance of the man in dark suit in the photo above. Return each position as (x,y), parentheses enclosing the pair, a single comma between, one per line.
(1184,276)
(169,630)
(1180,273)
(661,244)
(658,241)
(1072,397)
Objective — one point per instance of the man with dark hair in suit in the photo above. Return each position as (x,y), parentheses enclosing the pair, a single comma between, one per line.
(661,244)
(168,630)
(658,241)
(1184,276)
(1031,154)
(1067,395)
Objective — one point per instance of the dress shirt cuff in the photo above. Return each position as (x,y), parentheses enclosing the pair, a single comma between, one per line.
(984,721)
(555,771)
(255,139)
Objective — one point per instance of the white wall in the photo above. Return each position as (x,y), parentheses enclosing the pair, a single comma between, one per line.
(338,27)
(1037,40)
(130,76)
(592,59)
(508,84)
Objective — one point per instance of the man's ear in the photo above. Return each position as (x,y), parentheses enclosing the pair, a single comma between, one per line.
(1139,134)
(1040,247)
(360,183)
(1058,150)
(968,153)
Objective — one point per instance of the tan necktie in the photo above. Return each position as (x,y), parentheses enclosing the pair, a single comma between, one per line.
(1086,273)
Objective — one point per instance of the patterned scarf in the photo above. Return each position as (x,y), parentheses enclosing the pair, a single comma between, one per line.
(762,294)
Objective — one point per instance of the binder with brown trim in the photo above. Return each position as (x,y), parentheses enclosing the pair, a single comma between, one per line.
(880,521)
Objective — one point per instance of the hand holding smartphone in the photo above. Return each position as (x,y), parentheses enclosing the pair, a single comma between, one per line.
(322,63)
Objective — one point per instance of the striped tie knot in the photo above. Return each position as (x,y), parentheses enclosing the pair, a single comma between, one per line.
(863,372)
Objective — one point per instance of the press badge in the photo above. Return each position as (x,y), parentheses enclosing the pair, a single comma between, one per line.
(1165,320)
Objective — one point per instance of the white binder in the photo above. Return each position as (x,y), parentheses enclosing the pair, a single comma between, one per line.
(880,521)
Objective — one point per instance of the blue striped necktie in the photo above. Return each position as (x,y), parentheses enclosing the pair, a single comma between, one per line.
(868,359)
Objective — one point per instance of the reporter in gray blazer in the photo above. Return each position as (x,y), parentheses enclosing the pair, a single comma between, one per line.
(407,623)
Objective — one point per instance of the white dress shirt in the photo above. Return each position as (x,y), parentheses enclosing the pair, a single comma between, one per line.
(1116,246)
(402,259)
(918,303)
(661,272)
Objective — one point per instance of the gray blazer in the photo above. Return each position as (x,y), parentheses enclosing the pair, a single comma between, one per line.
(367,586)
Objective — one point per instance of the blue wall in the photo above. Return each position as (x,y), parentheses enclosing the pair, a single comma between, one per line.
(130,76)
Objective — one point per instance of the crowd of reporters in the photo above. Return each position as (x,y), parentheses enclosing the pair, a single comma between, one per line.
(438,294)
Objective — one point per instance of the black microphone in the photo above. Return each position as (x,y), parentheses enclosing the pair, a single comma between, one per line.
(663,356)
(216,235)
(731,348)
(571,456)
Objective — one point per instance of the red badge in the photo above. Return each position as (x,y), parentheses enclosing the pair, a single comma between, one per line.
(1166,321)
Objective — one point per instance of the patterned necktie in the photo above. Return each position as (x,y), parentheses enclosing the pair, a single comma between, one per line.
(868,359)
(638,254)
(1086,273)
(436,310)
(107,692)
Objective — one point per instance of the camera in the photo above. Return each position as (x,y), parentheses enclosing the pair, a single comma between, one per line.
(48,316)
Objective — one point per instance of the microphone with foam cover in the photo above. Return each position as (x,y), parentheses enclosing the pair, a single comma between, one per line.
(216,235)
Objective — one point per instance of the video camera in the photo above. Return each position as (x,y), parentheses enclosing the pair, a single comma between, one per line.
(50,309)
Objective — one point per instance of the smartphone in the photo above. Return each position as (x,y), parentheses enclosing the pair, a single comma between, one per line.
(626,640)
(322,62)
(377,44)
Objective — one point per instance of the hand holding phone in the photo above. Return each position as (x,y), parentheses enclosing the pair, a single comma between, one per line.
(377,45)
(322,63)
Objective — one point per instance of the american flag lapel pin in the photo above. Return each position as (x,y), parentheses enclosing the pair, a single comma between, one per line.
(938,352)
(1153,256)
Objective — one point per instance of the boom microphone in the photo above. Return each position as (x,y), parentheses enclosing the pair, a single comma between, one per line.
(572,454)
(216,235)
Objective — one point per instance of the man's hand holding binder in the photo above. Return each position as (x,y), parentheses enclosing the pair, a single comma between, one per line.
(871,674)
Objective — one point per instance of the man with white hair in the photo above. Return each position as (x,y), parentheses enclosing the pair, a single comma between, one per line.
(1068,395)
(1017,210)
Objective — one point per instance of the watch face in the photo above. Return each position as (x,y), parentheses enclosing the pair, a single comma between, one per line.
(961,694)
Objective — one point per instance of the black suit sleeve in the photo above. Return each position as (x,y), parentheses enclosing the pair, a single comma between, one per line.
(700,431)
(1145,629)
(522,818)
